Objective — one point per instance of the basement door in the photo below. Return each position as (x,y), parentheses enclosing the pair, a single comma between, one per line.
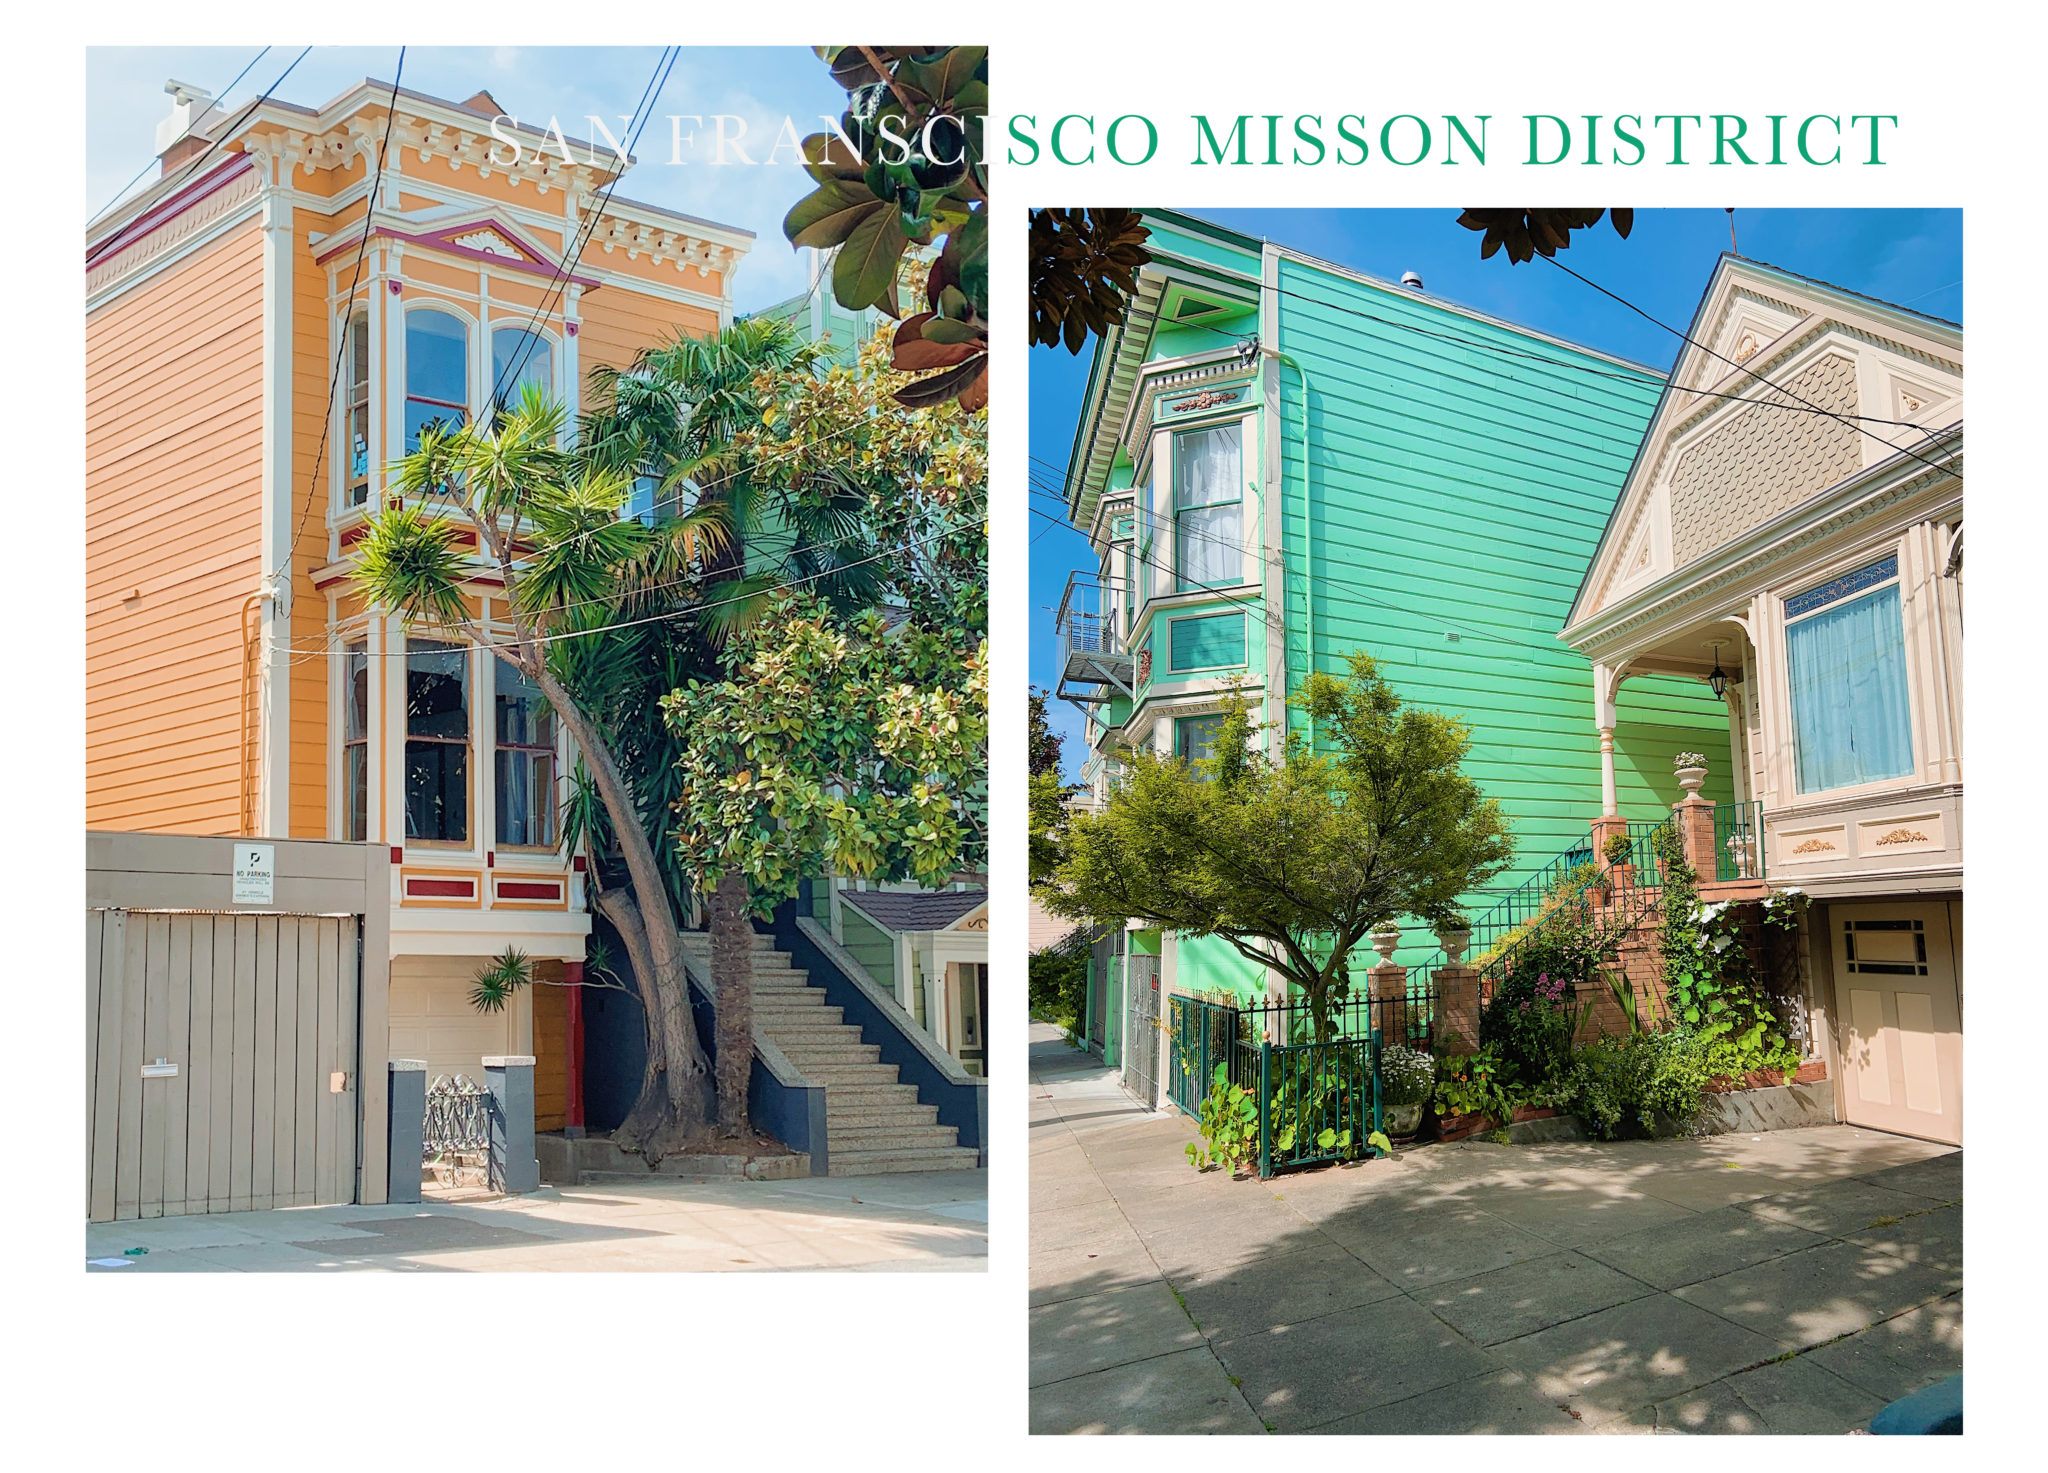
(221,1062)
(1899,1018)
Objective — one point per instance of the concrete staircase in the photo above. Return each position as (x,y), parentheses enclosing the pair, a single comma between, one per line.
(873,1124)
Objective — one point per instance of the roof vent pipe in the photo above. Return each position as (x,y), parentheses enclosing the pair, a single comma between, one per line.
(1412,281)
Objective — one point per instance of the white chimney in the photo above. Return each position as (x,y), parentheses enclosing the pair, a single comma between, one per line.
(189,105)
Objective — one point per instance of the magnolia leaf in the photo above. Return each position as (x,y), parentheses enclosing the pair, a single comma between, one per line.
(940,77)
(864,274)
(828,214)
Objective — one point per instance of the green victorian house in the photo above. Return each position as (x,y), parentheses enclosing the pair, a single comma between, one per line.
(1280,461)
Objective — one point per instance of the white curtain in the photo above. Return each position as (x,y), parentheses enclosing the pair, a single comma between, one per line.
(1208,507)
(1850,709)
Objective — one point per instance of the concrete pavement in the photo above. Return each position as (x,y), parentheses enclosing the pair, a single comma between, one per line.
(923,1222)
(1790,1282)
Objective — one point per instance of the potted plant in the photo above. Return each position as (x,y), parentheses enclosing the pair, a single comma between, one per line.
(1616,852)
(1690,768)
(1407,1077)
(1384,939)
(1454,938)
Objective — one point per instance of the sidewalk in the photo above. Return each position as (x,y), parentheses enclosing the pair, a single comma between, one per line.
(1791,1282)
(919,1222)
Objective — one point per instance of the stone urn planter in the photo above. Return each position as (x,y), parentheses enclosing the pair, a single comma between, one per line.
(1402,1121)
(1384,941)
(1454,940)
(1691,772)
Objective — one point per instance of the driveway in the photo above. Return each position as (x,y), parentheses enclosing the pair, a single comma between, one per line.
(1790,1282)
(926,1222)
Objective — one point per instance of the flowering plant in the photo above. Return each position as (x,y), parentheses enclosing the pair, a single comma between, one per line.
(1689,759)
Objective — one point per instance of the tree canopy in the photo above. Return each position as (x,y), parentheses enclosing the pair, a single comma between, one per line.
(1292,861)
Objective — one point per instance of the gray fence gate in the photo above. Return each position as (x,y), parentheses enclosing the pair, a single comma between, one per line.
(1141,1028)
(222,1062)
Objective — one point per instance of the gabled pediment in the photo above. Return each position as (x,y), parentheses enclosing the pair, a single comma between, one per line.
(1788,387)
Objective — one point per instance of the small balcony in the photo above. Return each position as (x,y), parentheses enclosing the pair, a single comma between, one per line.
(1095,668)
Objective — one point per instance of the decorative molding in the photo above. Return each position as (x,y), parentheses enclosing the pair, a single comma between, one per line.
(217,205)
(1901,836)
(1814,846)
(489,242)
(1208,399)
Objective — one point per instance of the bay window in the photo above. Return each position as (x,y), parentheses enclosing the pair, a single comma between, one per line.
(436,741)
(1845,658)
(1208,507)
(436,372)
(1194,739)
(525,761)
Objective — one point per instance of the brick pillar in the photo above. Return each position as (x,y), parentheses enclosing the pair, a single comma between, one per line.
(1696,832)
(406,1130)
(1387,986)
(514,1167)
(1603,827)
(1458,1021)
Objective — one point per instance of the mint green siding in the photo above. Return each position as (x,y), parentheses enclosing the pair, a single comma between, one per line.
(870,945)
(1211,964)
(1206,642)
(1455,496)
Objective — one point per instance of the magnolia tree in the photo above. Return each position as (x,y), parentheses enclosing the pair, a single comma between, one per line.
(1294,861)
(831,746)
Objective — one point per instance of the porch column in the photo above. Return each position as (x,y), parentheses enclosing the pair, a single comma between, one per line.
(1605,679)
(1610,803)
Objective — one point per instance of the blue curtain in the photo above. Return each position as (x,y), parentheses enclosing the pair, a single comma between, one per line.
(1850,709)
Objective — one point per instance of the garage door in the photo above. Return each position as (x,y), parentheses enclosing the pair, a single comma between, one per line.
(1899,1016)
(432,1017)
(220,1062)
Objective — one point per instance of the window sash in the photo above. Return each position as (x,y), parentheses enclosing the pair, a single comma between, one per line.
(437,790)
(526,797)
(507,345)
(1194,738)
(1208,466)
(1847,680)
(1209,546)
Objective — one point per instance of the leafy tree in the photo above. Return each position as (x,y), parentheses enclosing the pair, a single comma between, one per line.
(546,527)
(916,177)
(1531,233)
(1295,861)
(828,747)
(1084,267)
(1048,793)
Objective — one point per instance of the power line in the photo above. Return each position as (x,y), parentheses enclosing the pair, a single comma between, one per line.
(694,609)
(229,128)
(1780,388)
(572,252)
(154,159)
(341,348)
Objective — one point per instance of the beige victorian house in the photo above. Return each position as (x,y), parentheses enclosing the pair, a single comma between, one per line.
(1791,531)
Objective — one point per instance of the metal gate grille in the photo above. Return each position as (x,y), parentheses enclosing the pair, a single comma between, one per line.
(1141,1028)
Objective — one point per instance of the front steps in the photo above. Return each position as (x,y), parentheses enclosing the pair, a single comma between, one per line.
(873,1123)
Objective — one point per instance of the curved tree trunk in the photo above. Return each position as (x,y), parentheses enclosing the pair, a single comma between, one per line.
(672,1100)
(732,969)
(623,912)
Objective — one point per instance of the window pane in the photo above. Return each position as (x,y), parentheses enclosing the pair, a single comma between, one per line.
(418,416)
(359,454)
(436,356)
(358,358)
(436,790)
(437,691)
(1210,546)
(526,797)
(519,358)
(355,677)
(1195,737)
(356,789)
(1205,466)
(1851,714)
(525,719)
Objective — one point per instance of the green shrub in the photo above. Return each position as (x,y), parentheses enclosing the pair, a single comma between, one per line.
(1406,1075)
(1058,985)
(1623,1085)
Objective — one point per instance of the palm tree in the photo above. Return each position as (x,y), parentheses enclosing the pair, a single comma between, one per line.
(547,525)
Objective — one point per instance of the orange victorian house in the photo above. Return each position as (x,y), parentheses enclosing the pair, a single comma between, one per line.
(243,408)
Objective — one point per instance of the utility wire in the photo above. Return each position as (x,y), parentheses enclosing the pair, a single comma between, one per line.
(341,348)
(217,96)
(229,128)
(572,252)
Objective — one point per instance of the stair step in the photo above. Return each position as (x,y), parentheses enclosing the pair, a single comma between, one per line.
(809,1006)
(831,1074)
(876,1163)
(867,1117)
(892,1138)
(810,1056)
(786,1033)
(869,1095)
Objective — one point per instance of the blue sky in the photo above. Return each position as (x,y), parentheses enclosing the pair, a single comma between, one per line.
(125,100)
(1911,257)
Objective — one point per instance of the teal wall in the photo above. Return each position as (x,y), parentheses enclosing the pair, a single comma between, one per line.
(1211,964)
(1454,490)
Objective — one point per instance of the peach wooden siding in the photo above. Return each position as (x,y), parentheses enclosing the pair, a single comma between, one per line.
(618,324)
(174,509)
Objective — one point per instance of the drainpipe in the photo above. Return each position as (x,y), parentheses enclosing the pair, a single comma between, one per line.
(1308,521)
